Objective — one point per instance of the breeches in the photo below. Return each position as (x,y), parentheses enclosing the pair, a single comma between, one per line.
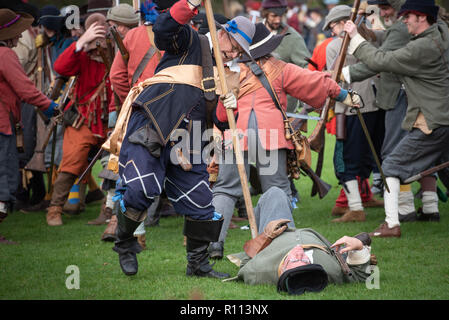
(76,147)
(417,152)
(145,176)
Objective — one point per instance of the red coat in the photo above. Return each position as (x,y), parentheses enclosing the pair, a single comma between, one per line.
(90,74)
(137,43)
(319,55)
(311,87)
(15,87)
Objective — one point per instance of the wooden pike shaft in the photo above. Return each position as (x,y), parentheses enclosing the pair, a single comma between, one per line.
(231,119)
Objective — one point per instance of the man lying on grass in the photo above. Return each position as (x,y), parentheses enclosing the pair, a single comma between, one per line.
(299,260)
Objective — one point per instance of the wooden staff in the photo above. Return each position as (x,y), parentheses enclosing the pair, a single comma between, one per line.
(231,119)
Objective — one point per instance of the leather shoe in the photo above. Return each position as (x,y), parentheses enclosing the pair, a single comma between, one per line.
(109,232)
(209,274)
(103,218)
(128,263)
(373,203)
(356,216)
(339,211)
(54,216)
(435,216)
(409,217)
(383,231)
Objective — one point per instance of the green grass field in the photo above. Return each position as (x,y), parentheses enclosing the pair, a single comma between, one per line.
(414,266)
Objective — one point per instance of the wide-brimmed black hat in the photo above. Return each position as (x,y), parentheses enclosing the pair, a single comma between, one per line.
(311,278)
(278,7)
(50,18)
(98,6)
(204,27)
(164,4)
(426,7)
(264,42)
(381,2)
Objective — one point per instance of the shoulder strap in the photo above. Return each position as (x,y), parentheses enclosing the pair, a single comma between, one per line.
(143,63)
(258,72)
(208,82)
(146,58)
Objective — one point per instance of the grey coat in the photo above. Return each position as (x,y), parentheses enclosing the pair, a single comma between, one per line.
(292,49)
(263,267)
(423,67)
(388,86)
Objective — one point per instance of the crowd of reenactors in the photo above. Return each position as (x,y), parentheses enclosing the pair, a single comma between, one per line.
(156,91)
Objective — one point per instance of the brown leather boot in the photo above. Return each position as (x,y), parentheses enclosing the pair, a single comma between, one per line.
(373,203)
(109,232)
(383,231)
(358,215)
(54,216)
(104,216)
(339,211)
(141,239)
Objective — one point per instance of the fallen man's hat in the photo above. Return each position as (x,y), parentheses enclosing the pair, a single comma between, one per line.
(298,275)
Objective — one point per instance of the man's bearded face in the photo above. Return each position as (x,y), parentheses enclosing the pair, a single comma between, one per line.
(388,14)
(273,21)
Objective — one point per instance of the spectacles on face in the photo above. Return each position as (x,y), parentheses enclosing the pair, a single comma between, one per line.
(234,49)
(332,25)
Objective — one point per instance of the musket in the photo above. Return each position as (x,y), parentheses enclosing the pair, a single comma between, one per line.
(104,57)
(107,60)
(37,162)
(121,47)
(55,90)
(426,172)
(107,63)
(343,264)
(316,138)
(319,186)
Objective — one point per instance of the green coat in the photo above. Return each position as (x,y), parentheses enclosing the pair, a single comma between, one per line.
(388,87)
(263,267)
(423,67)
(292,49)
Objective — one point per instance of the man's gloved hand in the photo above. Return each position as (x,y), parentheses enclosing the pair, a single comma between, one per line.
(229,101)
(50,112)
(41,40)
(352,100)
(275,228)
